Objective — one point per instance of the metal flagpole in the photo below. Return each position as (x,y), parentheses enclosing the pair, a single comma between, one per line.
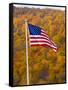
(27,66)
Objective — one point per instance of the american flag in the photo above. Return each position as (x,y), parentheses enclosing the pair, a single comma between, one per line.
(38,37)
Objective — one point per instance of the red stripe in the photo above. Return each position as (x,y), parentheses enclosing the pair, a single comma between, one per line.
(44,35)
(39,38)
(41,41)
(44,32)
(43,38)
(53,43)
(49,39)
(42,45)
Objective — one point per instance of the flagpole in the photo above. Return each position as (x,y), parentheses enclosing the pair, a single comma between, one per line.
(27,65)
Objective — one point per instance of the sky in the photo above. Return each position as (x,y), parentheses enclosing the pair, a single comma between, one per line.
(41,7)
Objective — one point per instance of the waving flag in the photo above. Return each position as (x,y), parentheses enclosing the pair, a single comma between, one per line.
(38,37)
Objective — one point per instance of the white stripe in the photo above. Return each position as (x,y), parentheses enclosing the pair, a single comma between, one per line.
(43,31)
(40,40)
(41,37)
(38,36)
(34,43)
(53,42)
(49,39)
(34,35)
(44,34)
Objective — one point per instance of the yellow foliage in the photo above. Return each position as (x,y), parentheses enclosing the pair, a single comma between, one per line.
(45,66)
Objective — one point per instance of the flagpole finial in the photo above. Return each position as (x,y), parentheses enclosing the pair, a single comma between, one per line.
(26,20)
